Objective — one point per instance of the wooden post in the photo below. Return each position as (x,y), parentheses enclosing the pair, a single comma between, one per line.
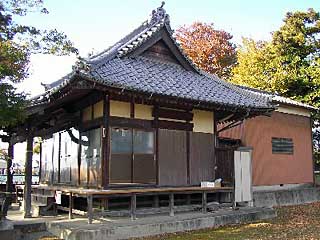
(204,202)
(156,201)
(70,205)
(28,177)
(215,144)
(171,204)
(89,210)
(40,163)
(105,143)
(188,133)
(133,206)
(9,183)
(156,125)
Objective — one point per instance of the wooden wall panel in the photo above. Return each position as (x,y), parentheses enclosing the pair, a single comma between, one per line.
(172,158)
(120,168)
(225,164)
(201,158)
(144,168)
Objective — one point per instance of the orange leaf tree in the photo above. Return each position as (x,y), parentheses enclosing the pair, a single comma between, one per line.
(211,50)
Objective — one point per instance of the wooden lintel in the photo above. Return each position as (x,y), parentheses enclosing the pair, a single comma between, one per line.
(173,114)
(133,123)
(174,125)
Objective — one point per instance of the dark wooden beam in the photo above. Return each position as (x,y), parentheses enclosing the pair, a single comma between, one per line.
(176,105)
(164,124)
(88,100)
(173,114)
(131,123)
(84,126)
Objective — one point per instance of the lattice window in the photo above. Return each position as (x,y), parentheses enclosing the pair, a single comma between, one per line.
(282,146)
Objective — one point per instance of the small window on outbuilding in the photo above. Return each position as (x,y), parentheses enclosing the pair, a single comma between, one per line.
(282,146)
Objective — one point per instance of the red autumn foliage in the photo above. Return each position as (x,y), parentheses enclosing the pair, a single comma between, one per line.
(211,50)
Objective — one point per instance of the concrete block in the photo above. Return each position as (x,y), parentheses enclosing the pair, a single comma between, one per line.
(154,225)
(286,197)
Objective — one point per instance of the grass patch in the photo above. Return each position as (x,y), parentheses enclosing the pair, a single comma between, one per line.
(293,222)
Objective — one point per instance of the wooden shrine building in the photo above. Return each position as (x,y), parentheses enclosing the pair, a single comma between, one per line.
(139,114)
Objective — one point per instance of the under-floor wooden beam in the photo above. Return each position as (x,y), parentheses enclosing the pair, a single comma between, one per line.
(70,206)
(133,206)
(171,204)
(89,210)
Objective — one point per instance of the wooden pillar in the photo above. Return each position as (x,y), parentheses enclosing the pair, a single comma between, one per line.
(215,144)
(188,133)
(28,177)
(204,202)
(156,125)
(105,143)
(40,162)
(9,183)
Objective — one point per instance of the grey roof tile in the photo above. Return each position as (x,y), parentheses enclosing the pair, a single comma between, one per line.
(144,74)
(113,68)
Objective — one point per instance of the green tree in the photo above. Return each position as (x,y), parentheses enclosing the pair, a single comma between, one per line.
(289,64)
(211,50)
(17,43)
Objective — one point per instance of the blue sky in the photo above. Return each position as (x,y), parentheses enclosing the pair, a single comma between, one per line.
(94,25)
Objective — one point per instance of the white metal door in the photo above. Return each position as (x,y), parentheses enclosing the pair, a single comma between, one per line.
(243,176)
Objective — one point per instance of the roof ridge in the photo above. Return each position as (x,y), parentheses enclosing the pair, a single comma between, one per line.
(115,46)
(277,97)
(120,48)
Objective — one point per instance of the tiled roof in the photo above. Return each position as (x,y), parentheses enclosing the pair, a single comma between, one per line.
(278,99)
(157,77)
(114,67)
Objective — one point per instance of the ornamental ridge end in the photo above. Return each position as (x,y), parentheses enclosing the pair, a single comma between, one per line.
(158,15)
